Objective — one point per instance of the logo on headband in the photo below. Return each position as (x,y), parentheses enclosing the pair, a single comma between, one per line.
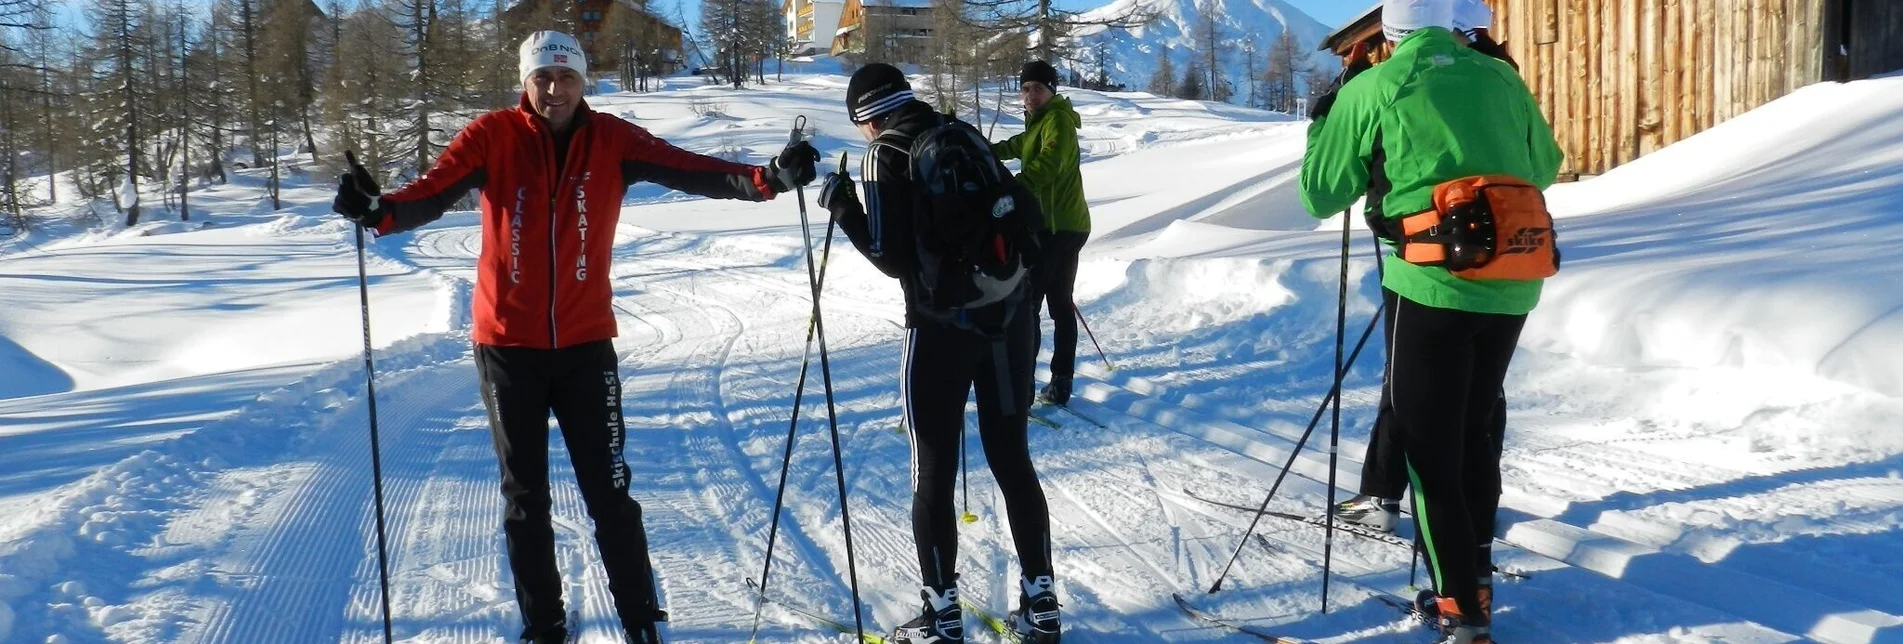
(561,59)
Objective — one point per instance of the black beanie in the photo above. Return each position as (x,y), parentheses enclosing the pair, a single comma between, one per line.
(1039,71)
(875,90)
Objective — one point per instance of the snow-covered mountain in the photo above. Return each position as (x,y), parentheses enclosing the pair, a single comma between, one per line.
(1245,25)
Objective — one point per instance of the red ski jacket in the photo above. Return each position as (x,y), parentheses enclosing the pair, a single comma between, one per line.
(542,279)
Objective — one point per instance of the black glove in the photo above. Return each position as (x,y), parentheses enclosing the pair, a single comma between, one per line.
(795,166)
(1357,62)
(358,195)
(840,194)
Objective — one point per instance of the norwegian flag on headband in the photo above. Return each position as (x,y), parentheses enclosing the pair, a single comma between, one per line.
(561,58)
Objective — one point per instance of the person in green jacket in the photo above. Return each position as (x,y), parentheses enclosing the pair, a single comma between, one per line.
(1048,148)
(1436,111)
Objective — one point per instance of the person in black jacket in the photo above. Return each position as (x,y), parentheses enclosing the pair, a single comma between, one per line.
(941,362)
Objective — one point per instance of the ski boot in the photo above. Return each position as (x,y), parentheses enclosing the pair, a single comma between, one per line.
(1036,619)
(1371,512)
(555,634)
(1458,629)
(646,632)
(942,622)
(1056,393)
(1427,603)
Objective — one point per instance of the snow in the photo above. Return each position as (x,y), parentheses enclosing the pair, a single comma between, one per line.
(1704,439)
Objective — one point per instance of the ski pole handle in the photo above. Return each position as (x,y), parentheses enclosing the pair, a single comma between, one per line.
(799,131)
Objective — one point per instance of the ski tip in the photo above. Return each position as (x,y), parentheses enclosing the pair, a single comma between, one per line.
(970,518)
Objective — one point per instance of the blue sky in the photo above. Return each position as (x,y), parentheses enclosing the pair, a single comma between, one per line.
(1329,12)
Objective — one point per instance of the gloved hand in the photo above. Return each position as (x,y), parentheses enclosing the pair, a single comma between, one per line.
(1357,62)
(840,194)
(795,166)
(358,195)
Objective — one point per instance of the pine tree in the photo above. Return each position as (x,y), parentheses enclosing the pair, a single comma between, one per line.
(1208,35)
(1192,87)
(1278,77)
(1163,81)
(120,94)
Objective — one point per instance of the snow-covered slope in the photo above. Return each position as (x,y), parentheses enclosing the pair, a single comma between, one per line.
(196,468)
(1135,53)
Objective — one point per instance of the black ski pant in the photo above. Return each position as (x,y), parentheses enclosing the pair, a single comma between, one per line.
(1446,369)
(1056,281)
(1383,468)
(939,368)
(581,385)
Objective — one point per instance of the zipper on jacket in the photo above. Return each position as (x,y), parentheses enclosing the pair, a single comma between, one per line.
(548,154)
(554,218)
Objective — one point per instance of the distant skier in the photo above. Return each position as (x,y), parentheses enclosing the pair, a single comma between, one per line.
(552,172)
(1436,112)
(1051,171)
(961,257)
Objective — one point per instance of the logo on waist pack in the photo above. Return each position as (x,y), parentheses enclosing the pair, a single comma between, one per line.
(1526,240)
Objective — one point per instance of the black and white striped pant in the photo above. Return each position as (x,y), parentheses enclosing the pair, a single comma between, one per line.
(940,367)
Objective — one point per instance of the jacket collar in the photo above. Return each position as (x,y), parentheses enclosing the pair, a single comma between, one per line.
(582,113)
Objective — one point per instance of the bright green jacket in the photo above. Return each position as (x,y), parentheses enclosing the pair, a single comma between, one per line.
(1439,111)
(1048,147)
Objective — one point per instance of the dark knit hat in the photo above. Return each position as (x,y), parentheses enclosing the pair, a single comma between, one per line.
(875,90)
(1039,71)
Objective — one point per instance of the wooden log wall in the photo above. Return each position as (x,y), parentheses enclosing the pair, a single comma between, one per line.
(1876,37)
(1623,78)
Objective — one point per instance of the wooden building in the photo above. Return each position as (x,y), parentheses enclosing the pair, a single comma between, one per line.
(810,24)
(612,32)
(888,31)
(1621,78)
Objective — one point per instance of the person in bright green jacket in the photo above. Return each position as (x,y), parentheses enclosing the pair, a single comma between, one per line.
(1436,111)
(1048,148)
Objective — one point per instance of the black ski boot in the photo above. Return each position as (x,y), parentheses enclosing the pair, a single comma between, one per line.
(1056,393)
(942,621)
(1458,629)
(1377,513)
(556,634)
(1036,619)
(646,632)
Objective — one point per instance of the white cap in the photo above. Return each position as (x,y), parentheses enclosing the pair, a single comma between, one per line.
(1470,15)
(550,49)
(1402,17)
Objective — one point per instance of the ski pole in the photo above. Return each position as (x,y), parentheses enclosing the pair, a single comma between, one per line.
(1334,429)
(964,478)
(1287,465)
(818,331)
(1093,337)
(370,389)
(1334,393)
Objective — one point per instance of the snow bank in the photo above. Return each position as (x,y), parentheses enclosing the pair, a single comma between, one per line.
(1759,243)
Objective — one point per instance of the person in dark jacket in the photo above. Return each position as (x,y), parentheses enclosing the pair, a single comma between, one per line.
(552,175)
(941,363)
(1051,170)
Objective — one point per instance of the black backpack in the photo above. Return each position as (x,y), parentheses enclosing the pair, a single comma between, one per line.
(974,226)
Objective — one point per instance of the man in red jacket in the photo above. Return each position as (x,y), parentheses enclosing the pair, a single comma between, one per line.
(552,175)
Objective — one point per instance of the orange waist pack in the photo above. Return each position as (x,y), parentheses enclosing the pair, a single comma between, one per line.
(1491,227)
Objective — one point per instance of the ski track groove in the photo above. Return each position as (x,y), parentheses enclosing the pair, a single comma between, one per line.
(318,522)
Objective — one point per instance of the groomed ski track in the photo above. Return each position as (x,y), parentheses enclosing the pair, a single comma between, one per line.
(255,525)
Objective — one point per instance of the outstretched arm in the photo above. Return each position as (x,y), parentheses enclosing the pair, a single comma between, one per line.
(459,170)
(649,158)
